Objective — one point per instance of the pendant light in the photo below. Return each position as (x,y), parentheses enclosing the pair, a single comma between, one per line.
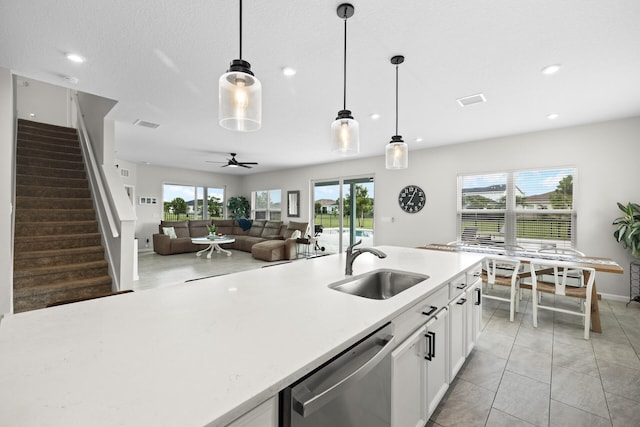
(240,95)
(345,130)
(397,151)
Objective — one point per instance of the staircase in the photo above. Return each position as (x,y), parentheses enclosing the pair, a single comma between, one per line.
(58,255)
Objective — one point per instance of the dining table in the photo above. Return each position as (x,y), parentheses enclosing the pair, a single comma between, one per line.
(599,264)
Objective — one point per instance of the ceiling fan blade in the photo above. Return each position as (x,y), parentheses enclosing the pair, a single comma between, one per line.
(242,165)
(213,161)
(247,163)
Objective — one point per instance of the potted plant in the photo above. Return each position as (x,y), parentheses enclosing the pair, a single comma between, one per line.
(238,207)
(628,231)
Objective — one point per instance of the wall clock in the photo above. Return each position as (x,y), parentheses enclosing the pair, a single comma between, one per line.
(412,199)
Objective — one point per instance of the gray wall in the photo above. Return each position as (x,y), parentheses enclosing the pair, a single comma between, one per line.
(605,155)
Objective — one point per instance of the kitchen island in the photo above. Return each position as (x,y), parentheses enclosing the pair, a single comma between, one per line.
(202,353)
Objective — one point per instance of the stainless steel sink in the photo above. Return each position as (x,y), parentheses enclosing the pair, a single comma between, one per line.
(379,284)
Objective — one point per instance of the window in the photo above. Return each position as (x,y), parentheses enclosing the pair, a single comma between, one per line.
(532,208)
(266,204)
(192,202)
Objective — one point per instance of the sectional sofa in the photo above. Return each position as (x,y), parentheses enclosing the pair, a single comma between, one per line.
(265,240)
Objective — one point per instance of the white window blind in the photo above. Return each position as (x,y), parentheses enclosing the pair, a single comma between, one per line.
(532,208)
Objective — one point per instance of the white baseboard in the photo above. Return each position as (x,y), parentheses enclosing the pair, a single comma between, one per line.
(613,297)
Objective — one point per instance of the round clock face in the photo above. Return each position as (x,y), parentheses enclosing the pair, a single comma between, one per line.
(411,199)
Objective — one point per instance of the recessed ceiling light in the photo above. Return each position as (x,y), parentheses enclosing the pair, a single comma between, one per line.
(553,116)
(32,115)
(551,69)
(289,71)
(374,116)
(418,139)
(74,57)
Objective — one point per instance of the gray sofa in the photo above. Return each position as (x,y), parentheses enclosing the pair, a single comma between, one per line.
(266,240)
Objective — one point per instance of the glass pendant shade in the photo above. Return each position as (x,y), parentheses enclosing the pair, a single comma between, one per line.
(345,134)
(397,153)
(240,99)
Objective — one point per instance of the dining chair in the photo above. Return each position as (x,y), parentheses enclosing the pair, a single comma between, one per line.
(558,286)
(503,272)
(575,275)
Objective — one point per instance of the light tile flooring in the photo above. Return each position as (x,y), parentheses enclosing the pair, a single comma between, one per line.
(548,376)
(517,375)
(156,271)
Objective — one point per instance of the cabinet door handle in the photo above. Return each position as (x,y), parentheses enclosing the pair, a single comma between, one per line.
(427,354)
(479,300)
(432,310)
(461,286)
(477,274)
(433,343)
(462,301)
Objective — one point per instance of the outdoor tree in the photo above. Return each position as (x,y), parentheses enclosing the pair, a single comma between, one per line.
(562,197)
(179,206)
(214,207)
(364,204)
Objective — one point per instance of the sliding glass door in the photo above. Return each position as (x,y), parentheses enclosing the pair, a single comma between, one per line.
(344,209)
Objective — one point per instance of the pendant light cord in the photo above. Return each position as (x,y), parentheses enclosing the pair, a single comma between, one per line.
(240,29)
(344,74)
(396,99)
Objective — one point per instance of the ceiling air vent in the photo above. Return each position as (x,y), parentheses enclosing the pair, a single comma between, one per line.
(145,124)
(124,172)
(471,99)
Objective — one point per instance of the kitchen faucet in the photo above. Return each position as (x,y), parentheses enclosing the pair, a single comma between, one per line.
(352,254)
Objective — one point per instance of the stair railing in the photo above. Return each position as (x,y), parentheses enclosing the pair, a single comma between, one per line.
(94,174)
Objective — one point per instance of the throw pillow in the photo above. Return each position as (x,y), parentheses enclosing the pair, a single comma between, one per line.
(170,231)
(296,234)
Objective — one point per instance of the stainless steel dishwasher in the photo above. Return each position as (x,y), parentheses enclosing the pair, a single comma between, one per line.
(351,390)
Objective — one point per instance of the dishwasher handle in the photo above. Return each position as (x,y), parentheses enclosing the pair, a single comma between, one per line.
(305,402)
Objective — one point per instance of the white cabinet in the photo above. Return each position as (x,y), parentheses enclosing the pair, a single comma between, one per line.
(409,382)
(263,415)
(457,335)
(474,314)
(437,359)
(437,335)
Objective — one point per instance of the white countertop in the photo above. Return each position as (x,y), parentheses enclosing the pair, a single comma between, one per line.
(201,353)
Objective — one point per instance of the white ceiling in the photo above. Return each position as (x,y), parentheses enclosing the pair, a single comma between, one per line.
(161,59)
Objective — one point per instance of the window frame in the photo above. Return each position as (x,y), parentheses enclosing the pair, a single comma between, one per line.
(199,194)
(272,211)
(513,212)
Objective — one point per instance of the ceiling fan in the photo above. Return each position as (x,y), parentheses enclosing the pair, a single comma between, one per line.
(232,162)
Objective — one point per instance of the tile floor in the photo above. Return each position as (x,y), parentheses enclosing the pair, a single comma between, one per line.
(517,375)
(550,376)
(156,271)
